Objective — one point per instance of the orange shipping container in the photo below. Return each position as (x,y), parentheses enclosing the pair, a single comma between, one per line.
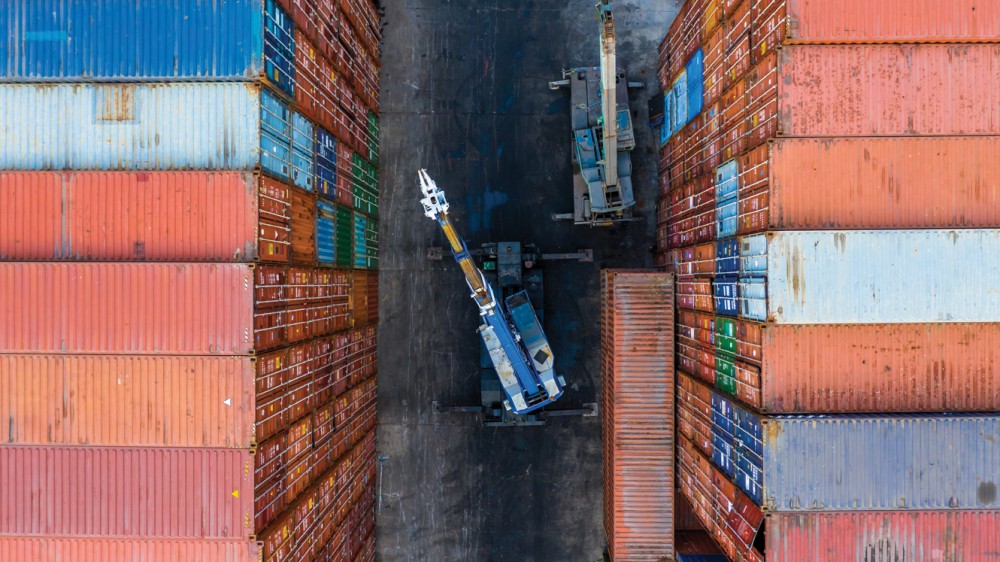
(155,216)
(900,90)
(183,309)
(887,21)
(637,355)
(45,549)
(871,183)
(950,367)
(127,400)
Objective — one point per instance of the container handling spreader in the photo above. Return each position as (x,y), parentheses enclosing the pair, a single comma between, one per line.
(603,136)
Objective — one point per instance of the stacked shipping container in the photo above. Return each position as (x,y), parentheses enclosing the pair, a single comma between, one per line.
(637,411)
(187,358)
(828,202)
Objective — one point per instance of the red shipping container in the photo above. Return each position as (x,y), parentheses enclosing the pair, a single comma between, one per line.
(889,21)
(38,549)
(638,404)
(118,492)
(901,90)
(871,183)
(158,401)
(127,308)
(155,216)
(883,535)
(272,371)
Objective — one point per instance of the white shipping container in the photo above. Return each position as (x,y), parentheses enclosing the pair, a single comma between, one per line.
(883,276)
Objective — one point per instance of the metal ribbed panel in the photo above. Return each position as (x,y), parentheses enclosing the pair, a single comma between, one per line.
(179,126)
(904,21)
(182,216)
(902,276)
(959,536)
(871,463)
(85,40)
(58,549)
(108,492)
(853,183)
(129,401)
(184,309)
(638,413)
(881,368)
(899,90)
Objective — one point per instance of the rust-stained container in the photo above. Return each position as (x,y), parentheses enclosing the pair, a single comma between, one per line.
(117,492)
(900,90)
(889,21)
(157,401)
(638,409)
(884,535)
(303,227)
(127,308)
(52,549)
(155,216)
(861,183)
(947,367)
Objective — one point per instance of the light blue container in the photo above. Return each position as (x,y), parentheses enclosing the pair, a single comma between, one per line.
(695,71)
(303,151)
(178,126)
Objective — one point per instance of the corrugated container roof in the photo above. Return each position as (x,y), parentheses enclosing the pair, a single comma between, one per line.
(822,368)
(903,21)
(119,492)
(822,91)
(959,536)
(182,309)
(178,126)
(902,276)
(638,412)
(881,462)
(69,40)
(131,401)
(883,183)
(161,216)
(57,549)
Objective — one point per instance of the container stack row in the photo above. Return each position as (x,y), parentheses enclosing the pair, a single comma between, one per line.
(637,412)
(829,195)
(188,256)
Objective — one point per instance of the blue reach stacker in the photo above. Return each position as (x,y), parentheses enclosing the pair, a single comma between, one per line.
(518,376)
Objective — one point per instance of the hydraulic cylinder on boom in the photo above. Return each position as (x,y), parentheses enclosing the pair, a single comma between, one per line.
(510,329)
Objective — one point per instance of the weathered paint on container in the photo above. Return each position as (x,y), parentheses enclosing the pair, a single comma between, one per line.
(876,367)
(860,183)
(897,276)
(901,90)
(638,413)
(126,492)
(143,216)
(172,309)
(129,401)
(880,462)
(177,126)
(52,549)
(884,535)
(889,21)
(80,40)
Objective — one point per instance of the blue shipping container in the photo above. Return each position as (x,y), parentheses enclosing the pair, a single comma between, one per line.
(753,256)
(146,40)
(695,71)
(303,147)
(726,217)
(727,257)
(179,126)
(727,180)
(752,293)
(680,102)
(881,462)
(326,216)
(724,292)
(667,130)
(360,241)
(326,164)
